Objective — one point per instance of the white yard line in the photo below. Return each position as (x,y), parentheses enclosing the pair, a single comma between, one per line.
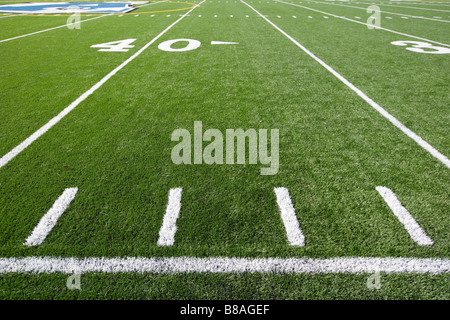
(49,220)
(66,25)
(169,226)
(293,231)
(394,13)
(425,145)
(14,15)
(356,21)
(347,265)
(14,152)
(415,231)
(397,6)
(50,29)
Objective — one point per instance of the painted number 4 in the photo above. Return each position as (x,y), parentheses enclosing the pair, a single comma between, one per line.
(421,47)
(115,46)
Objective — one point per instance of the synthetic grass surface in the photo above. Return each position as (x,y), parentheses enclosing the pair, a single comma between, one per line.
(115,147)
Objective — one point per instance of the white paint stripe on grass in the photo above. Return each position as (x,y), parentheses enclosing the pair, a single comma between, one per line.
(48,221)
(14,152)
(360,22)
(171,265)
(293,231)
(10,16)
(425,145)
(67,24)
(397,6)
(411,225)
(388,12)
(54,28)
(169,225)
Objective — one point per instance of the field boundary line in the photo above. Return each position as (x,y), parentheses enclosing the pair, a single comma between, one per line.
(366,24)
(171,265)
(65,25)
(394,13)
(425,145)
(14,152)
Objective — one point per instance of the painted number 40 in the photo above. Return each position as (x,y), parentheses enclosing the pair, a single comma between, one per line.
(115,46)
(125,45)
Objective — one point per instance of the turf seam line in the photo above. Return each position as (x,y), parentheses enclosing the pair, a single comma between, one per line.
(14,152)
(366,24)
(293,231)
(169,226)
(415,231)
(388,12)
(171,265)
(49,220)
(425,145)
(65,25)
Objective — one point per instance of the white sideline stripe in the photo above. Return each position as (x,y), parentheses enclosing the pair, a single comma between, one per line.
(48,221)
(415,231)
(293,231)
(398,14)
(14,152)
(69,24)
(356,21)
(171,265)
(425,145)
(169,226)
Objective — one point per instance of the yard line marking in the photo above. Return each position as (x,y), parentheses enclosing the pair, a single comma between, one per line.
(397,6)
(380,28)
(14,152)
(398,14)
(293,231)
(48,221)
(66,25)
(425,145)
(169,226)
(415,231)
(14,15)
(172,265)
(54,28)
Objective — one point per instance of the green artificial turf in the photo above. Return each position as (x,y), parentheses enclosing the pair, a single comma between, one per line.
(116,148)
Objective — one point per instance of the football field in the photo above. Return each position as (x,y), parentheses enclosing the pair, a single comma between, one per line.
(240,149)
